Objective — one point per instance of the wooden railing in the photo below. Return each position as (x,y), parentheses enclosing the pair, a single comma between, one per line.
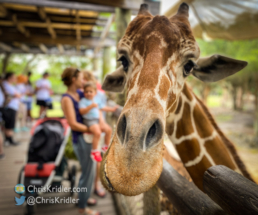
(227,191)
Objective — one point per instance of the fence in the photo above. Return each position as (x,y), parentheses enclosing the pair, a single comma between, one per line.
(227,193)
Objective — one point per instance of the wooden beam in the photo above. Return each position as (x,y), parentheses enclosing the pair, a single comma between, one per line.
(3,11)
(50,52)
(60,48)
(233,192)
(184,195)
(20,26)
(104,33)
(22,46)
(68,40)
(62,4)
(45,25)
(44,17)
(43,48)
(87,20)
(42,13)
(50,29)
(78,29)
(5,47)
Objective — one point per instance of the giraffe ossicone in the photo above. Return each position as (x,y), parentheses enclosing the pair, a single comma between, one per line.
(157,55)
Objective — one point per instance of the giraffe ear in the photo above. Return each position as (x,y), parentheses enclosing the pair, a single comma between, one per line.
(183,10)
(217,67)
(115,82)
(144,10)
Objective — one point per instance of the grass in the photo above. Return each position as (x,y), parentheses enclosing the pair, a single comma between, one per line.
(223,118)
(214,101)
(56,112)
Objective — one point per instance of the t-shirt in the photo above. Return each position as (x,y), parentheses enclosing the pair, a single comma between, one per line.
(94,112)
(29,89)
(22,90)
(11,90)
(43,94)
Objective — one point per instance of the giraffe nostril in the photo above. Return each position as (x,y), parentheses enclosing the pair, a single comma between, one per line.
(154,134)
(121,128)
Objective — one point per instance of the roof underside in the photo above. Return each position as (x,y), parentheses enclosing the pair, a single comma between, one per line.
(57,27)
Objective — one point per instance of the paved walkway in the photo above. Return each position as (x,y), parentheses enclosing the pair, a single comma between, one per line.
(9,171)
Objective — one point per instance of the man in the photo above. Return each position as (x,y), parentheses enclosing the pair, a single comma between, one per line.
(43,91)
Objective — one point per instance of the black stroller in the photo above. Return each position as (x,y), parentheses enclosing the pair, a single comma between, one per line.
(46,163)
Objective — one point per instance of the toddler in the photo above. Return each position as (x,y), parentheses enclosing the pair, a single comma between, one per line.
(90,107)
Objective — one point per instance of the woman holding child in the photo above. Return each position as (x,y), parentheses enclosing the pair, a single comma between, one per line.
(73,79)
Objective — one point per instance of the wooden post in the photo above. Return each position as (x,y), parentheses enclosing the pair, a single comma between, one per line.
(123,18)
(233,192)
(184,195)
(5,62)
(95,66)
(106,68)
(151,201)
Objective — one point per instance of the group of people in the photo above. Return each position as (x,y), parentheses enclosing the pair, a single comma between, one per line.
(83,105)
(16,97)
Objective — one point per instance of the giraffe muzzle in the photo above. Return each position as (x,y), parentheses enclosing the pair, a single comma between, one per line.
(144,132)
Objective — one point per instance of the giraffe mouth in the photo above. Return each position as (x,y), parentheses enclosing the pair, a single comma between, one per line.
(110,187)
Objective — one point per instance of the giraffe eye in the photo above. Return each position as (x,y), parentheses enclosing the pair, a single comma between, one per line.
(124,62)
(188,68)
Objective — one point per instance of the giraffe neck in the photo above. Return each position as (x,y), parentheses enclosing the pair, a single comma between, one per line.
(198,140)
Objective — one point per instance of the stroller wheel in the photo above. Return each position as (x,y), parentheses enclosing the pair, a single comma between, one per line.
(72,178)
(20,175)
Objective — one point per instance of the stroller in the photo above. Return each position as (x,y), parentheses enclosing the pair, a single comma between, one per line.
(46,163)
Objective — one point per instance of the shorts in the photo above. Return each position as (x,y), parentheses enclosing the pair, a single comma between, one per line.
(9,116)
(90,122)
(28,105)
(44,103)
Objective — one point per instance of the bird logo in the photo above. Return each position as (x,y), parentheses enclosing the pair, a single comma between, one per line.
(20,201)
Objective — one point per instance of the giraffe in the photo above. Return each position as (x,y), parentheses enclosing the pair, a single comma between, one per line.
(157,55)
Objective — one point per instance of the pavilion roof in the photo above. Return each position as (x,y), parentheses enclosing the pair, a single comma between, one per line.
(58,27)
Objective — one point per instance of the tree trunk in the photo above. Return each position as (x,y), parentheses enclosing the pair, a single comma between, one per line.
(205,93)
(95,67)
(256,118)
(27,67)
(106,62)
(239,98)
(5,62)
(123,17)
(234,95)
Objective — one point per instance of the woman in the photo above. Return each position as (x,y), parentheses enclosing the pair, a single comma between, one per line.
(10,108)
(22,112)
(73,79)
(29,99)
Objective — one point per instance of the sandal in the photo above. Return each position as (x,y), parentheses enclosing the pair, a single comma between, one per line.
(100,192)
(91,212)
(91,202)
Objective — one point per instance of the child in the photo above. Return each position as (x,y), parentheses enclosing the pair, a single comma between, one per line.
(89,108)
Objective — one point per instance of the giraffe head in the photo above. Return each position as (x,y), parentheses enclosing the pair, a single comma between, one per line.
(157,55)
